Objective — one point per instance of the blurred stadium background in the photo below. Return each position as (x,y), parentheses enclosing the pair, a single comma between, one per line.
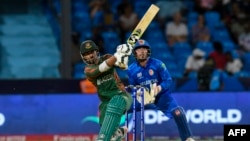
(43,92)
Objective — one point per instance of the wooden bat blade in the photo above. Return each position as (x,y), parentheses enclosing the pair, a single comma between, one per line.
(143,24)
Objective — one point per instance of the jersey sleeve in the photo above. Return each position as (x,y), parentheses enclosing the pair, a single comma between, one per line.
(166,77)
(92,71)
(131,79)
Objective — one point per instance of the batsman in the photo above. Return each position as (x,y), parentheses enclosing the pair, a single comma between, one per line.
(153,74)
(114,100)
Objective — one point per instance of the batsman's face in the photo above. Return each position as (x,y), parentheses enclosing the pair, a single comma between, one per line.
(141,53)
(90,57)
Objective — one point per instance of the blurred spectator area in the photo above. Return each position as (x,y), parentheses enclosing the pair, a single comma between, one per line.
(28,47)
(30,35)
(176,57)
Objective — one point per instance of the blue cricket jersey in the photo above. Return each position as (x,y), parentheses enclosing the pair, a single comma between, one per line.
(154,72)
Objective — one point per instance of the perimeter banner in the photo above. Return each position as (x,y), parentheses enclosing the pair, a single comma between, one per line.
(207,113)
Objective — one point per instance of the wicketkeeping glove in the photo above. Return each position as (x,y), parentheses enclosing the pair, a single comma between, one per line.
(155,89)
(148,97)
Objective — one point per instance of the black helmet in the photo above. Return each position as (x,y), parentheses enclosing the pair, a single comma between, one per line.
(88,46)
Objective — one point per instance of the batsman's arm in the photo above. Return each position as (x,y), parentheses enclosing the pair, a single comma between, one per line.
(96,70)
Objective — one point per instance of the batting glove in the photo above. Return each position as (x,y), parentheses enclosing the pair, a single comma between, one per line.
(121,60)
(125,49)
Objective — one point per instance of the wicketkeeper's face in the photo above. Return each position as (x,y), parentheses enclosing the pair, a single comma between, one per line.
(141,53)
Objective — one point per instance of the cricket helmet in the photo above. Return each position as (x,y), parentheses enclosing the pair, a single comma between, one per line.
(142,43)
(86,47)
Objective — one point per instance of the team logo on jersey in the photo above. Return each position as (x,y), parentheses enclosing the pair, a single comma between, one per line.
(139,75)
(151,72)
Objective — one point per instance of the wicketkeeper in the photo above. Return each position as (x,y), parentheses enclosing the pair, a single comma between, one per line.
(153,74)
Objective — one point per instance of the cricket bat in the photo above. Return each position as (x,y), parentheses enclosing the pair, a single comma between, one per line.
(143,24)
(140,29)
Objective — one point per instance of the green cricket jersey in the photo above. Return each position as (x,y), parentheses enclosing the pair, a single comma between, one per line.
(108,83)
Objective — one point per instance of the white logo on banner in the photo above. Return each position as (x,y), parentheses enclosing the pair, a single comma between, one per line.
(2,119)
(214,116)
(198,116)
(152,117)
